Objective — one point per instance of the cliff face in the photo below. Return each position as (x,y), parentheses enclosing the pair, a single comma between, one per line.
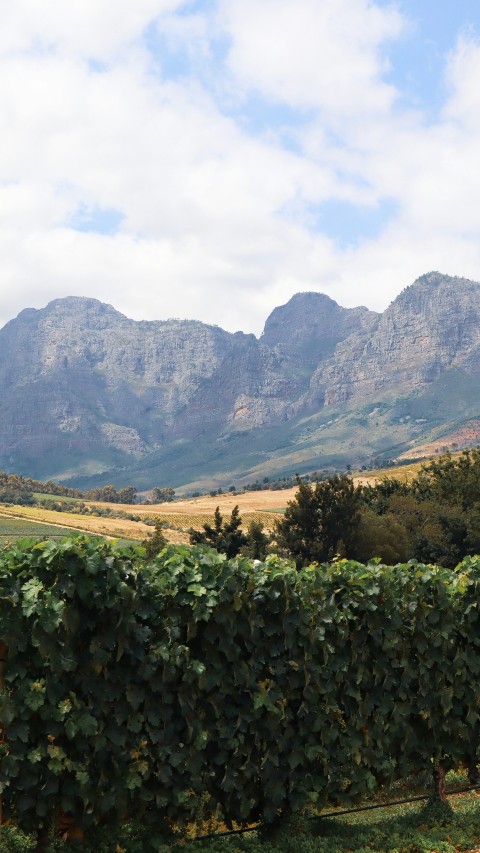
(309,327)
(80,374)
(82,382)
(84,389)
(431,326)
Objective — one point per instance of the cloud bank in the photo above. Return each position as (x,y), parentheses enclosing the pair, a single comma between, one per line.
(209,159)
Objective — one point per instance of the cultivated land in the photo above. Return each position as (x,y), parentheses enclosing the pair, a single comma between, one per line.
(44,522)
(179,515)
(257,506)
(428,828)
(12,529)
(264,506)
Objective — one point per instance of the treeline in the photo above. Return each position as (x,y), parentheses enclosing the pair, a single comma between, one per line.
(16,489)
(434,518)
(109,494)
(192,685)
(19,490)
(268,484)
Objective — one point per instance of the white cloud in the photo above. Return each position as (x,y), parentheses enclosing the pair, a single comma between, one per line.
(462,74)
(200,198)
(218,215)
(94,29)
(313,54)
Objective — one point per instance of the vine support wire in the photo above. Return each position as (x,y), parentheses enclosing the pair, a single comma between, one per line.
(346,812)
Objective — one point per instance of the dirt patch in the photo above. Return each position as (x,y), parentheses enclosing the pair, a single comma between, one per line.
(467,435)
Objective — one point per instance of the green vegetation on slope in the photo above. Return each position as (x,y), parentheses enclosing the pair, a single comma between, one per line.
(435,517)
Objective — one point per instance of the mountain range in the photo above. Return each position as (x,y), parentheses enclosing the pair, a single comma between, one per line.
(90,396)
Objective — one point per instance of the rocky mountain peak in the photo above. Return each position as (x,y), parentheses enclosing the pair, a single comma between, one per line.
(310,325)
(85,389)
(432,325)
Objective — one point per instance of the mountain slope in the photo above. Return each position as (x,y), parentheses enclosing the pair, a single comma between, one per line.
(88,393)
(431,326)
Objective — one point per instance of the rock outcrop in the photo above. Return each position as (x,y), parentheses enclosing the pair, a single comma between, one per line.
(84,389)
(432,325)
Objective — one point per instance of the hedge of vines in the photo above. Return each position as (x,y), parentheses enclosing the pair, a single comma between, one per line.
(137,689)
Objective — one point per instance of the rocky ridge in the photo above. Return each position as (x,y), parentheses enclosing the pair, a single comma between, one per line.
(86,390)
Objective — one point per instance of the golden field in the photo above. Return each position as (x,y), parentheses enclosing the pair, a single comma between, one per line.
(263,506)
(181,515)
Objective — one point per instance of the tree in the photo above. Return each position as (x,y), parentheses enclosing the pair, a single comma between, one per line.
(257,543)
(379,496)
(165,495)
(449,480)
(226,537)
(321,521)
(381,536)
(16,495)
(127,495)
(107,494)
(155,542)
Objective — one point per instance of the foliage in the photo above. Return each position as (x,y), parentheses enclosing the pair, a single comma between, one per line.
(156,541)
(321,522)
(226,537)
(450,480)
(437,514)
(109,494)
(11,494)
(378,497)
(435,518)
(165,495)
(276,485)
(21,484)
(381,536)
(194,683)
(257,543)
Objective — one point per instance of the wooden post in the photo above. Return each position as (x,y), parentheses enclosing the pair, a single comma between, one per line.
(439,782)
(473,774)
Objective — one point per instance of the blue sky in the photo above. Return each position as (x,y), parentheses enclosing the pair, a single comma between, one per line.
(418,59)
(209,159)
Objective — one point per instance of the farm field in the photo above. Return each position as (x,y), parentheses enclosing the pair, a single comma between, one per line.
(12,529)
(263,506)
(70,522)
(123,528)
(250,502)
(64,499)
(405,473)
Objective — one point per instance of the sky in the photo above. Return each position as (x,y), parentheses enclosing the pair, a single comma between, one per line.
(208,159)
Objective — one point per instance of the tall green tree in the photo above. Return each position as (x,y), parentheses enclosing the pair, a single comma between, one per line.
(127,495)
(450,480)
(155,542)
(226,537)
(321,521)
(257,541)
